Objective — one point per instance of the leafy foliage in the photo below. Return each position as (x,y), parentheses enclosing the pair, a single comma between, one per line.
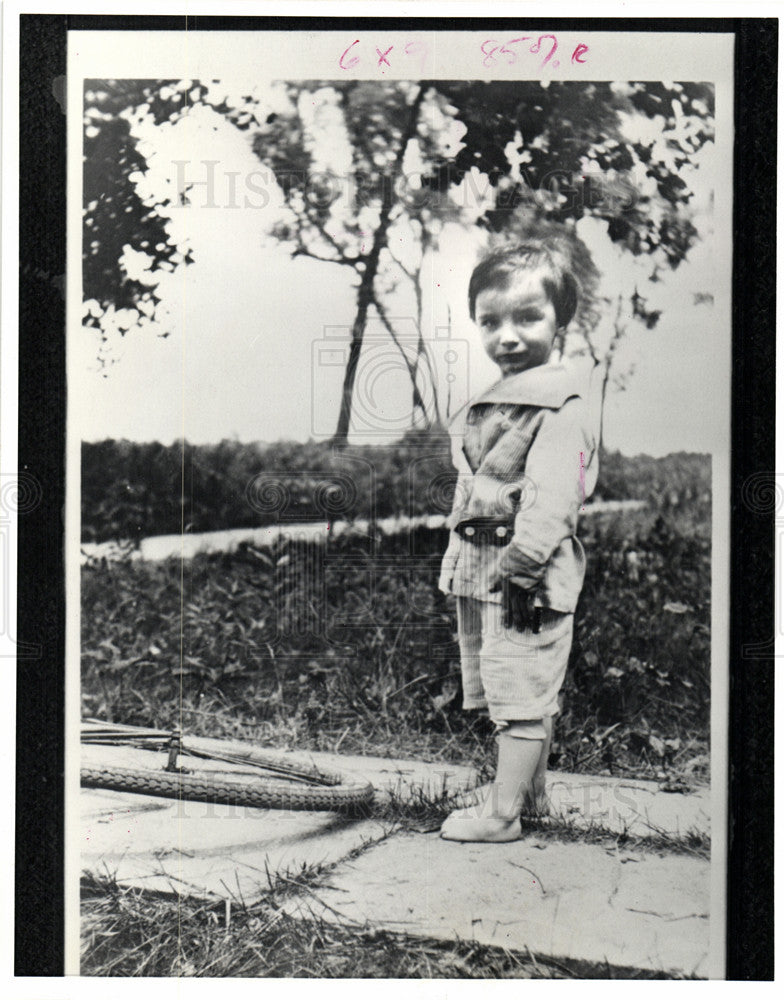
(345,216)
(115,216)
(575,157)
(551,153)
(352,642)
(132,490)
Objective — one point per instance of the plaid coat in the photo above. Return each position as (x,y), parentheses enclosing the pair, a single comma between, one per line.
(525,455)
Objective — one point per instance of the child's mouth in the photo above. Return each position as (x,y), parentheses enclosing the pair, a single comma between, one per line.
(512,360)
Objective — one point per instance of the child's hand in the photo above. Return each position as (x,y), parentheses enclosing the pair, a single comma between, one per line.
(518,605)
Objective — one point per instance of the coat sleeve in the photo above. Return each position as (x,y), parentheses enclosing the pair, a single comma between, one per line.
(449,563)
(462,488)
(559,476)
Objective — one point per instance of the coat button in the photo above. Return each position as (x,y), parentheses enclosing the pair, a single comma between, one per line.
(469,531)
(501,532)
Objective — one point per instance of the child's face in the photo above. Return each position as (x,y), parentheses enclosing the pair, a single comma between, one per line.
(517,323)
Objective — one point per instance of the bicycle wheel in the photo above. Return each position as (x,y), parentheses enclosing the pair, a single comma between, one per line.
(202,778)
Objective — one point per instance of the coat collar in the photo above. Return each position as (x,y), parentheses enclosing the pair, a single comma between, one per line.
(546,385)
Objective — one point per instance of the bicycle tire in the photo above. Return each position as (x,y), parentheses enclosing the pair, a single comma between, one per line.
(205,787)
(333,792)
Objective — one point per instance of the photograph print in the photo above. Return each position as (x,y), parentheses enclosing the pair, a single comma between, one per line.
(398,423)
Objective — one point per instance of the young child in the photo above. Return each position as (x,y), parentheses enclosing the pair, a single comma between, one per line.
(513,562)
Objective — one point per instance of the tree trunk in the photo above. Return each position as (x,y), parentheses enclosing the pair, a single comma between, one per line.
(435,419)
(365,294)
(340,440)
(416,395)
(605,382)
(619,329)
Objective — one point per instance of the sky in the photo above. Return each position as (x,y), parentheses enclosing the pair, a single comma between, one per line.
(257,341)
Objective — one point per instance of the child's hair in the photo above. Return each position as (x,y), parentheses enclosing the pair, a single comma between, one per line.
(497,269)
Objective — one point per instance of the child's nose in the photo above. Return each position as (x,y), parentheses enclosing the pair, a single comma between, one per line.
(507,334)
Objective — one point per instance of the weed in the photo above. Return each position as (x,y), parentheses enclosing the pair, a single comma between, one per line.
(351,648)
(127,932)
(367,662)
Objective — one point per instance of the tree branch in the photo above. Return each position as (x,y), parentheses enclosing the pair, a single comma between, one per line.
(332,241)
(411,275)
(366,290)
(302,252)
(303,221)
(412,368)
(592,350)
(415,277)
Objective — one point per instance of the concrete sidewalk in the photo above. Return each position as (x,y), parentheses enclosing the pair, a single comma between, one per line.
(630,909)
(202,849)
(646,908)
(624,805)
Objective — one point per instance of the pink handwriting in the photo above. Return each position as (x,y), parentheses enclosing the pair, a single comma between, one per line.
(351,59)
(578,53)
(382,56)
(494,53)
(494,50)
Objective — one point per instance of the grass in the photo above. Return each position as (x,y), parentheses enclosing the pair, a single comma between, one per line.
(127,932)
(356,654)
(423,810)
(352,649)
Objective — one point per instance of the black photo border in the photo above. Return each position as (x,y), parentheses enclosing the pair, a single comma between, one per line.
(40,719)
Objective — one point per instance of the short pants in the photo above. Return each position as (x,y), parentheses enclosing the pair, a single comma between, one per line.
(515,675)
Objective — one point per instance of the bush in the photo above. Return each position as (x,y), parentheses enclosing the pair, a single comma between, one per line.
(353,637)
(136,490)
(130,491)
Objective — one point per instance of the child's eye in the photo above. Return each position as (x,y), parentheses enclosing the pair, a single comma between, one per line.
(528,316)
(488,322)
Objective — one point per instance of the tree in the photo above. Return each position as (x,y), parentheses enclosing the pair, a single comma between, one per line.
(414,273)
(115,216)
(380,122)
(554,154)
(637,189)
(626,311)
